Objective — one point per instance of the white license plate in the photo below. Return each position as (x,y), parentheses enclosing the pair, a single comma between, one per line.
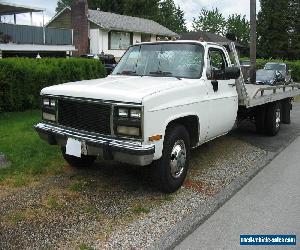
(73,147)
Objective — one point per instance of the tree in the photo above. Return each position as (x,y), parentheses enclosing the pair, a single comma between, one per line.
(238,27)
(114,6)
(294,30)
(142,8)
(210,21)
(171,16)
(180,21)
(273,28)
(61,4)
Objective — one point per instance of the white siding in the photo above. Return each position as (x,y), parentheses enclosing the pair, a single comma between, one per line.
(103,41)
(94,41)
(153,38)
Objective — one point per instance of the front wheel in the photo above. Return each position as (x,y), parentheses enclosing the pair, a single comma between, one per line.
(171,169)
(84,161)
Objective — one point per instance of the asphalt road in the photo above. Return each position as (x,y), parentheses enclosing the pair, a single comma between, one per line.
(287,134)
(268,204)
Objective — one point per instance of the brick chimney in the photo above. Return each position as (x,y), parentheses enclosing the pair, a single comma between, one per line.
(80,26)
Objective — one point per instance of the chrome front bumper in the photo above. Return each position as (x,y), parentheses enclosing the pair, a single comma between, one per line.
(131,152)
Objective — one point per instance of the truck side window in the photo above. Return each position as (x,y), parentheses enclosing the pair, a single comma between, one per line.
(218,63)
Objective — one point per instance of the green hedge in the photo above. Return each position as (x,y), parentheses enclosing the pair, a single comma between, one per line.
(294,66)
(21,79)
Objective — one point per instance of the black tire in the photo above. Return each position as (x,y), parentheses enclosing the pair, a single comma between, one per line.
(260,118)
(166,177)
(286,107)
(84,162)
(273,118)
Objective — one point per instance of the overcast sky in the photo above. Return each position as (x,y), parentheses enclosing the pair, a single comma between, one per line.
(191,8)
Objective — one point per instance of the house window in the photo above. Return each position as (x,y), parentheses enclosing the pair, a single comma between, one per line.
(146,37)
(119,40)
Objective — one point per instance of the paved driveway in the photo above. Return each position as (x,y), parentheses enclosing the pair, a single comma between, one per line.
(268,204)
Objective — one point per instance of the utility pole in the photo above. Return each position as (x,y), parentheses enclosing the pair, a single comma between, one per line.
(253,41)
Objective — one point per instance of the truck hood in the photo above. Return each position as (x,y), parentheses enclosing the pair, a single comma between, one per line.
(115,88)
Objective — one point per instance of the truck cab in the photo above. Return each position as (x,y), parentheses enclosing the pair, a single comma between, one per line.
(162,99)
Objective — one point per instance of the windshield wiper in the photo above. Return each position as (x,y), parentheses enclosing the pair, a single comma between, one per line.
(159,72)
(128,72)
(164,73)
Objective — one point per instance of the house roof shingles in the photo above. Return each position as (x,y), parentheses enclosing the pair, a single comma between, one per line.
(114,21)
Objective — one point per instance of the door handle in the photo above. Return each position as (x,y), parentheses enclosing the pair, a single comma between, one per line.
(232,84)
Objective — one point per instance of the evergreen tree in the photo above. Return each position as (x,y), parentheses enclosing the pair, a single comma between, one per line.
(273,28)
(294,30)
(180,21)
(171,16)
(114,6)
(142,8)
(61,4)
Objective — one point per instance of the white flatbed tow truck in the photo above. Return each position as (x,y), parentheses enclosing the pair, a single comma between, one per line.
(162,99)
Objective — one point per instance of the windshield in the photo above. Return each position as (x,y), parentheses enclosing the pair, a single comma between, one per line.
(168,60)
(275,66)
(265,75)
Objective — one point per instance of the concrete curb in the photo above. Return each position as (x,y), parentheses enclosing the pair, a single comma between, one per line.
(203,212)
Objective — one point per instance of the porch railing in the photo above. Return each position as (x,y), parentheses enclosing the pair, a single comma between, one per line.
(24,34)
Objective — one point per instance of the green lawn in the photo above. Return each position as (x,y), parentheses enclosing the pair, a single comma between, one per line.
(28,155)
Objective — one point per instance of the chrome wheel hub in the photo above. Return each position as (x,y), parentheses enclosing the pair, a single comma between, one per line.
(278,118)
(178,159)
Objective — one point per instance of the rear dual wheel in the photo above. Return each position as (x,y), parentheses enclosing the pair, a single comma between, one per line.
(273,118)
(268,118)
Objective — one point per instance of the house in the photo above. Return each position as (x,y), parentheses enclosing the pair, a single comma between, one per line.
(99,32)
(29,40)
(210,37)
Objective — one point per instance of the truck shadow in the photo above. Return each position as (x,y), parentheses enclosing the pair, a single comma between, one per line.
(247,132)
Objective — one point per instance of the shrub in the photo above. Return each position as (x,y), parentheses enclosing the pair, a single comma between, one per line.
(21,79)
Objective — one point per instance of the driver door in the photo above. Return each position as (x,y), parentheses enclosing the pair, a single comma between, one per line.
(222,94)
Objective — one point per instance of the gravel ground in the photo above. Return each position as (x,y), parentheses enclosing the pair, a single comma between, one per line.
(114,206)
(213,167)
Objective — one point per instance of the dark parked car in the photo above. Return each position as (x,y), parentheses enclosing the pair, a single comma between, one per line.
(282,68)
(107,60)
(269,77)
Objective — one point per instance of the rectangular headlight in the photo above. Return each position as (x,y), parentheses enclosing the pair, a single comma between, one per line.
(46,102)
(52,103)
(124,130)
(49,117)
(123,112)
(135,113)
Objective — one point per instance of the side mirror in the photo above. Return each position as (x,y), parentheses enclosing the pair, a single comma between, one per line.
(232,73)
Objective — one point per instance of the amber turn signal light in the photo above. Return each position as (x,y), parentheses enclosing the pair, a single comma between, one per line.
(155,137)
